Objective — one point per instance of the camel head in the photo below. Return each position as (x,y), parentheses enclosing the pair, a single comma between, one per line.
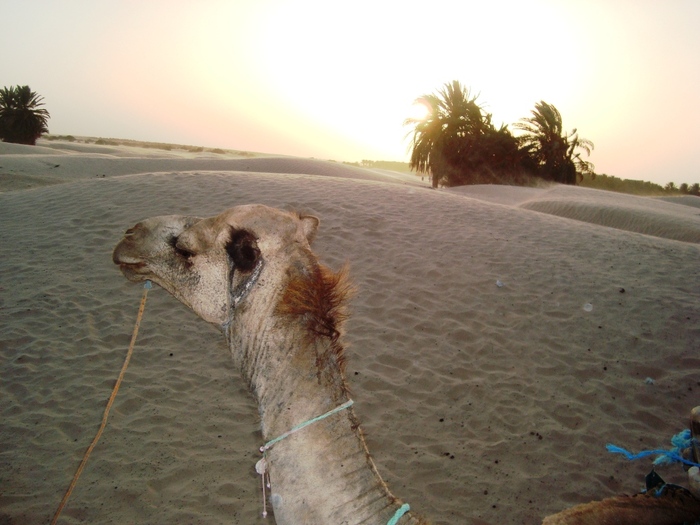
(221,264)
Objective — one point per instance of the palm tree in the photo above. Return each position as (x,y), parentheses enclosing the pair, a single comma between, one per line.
(21,119)
(553,150)
(454,115)
(457,142)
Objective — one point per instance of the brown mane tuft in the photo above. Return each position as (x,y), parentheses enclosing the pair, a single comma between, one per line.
(320,297)
(317,297)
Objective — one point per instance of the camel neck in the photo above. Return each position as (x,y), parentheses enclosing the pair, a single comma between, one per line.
(321,473)
(285,376)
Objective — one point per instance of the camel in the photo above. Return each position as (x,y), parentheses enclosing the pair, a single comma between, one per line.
(251,272)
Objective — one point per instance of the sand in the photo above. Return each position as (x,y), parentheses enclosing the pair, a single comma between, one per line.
(482,403)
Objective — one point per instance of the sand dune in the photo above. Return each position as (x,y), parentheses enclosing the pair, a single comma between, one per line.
(671,218)
(62,163)
(685,200)
(482,403)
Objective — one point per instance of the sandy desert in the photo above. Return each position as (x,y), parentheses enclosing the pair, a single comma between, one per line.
(500,337)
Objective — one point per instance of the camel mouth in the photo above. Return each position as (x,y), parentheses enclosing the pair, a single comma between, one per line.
(125,266)
(121,258)
(133,271)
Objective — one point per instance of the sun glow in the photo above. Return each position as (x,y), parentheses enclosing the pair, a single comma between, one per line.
(337,81)
(419,110)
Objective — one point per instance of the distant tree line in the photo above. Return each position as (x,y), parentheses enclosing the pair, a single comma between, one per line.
(22,119)
(683,189)
(457,143)
(638,187)
(598,181)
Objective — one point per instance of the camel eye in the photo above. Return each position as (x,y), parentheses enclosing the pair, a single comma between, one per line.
(183,253)
(179,250)
(243,250)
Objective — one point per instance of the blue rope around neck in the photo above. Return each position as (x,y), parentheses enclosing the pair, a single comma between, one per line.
(403,509)
(297,428)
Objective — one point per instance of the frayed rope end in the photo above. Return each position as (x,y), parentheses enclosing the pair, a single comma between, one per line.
(681,441)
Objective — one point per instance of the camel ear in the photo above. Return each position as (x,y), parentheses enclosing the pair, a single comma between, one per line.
(309,224)
(243,250)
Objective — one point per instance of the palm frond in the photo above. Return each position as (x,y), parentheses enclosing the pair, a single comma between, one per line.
(22,120)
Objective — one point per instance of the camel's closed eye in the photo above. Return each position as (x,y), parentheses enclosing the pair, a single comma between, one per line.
(243,250)
(179,250)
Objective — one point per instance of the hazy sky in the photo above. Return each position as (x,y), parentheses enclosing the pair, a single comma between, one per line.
(336,80)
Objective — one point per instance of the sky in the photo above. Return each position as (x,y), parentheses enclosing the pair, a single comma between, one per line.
(336,80)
